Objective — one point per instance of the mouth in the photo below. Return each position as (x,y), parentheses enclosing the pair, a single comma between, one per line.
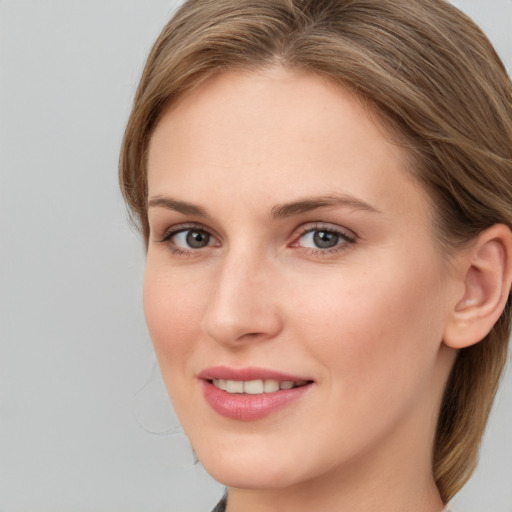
(257,386)
(251,393)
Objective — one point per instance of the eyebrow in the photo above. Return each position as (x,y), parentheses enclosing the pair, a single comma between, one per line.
(313,203)
(279,211)
(178,206)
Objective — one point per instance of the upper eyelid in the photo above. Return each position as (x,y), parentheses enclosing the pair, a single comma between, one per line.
(295,234)
(327,226)
(185,226)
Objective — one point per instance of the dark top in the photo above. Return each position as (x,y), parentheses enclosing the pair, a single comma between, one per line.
(221,506)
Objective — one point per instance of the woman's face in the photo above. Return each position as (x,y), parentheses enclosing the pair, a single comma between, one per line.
(290,247)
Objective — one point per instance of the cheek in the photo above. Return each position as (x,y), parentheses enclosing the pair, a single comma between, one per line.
(172,309)
(379,327)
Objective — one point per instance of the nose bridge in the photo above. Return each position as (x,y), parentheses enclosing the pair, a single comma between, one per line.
(242,303)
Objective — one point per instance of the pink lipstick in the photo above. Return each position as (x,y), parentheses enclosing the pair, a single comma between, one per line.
(250,393)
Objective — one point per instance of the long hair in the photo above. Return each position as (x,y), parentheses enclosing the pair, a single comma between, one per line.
(429,73)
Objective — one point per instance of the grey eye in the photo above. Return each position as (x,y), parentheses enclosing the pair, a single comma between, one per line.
(192,239)
(325,239)
(320,239)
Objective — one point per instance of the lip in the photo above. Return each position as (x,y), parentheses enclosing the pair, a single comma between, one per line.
(247,407)
(249,373)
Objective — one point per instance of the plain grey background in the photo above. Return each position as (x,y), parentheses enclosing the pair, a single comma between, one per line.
(85,425)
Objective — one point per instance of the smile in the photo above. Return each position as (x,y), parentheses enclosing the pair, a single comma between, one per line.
(249,394)
(256,387)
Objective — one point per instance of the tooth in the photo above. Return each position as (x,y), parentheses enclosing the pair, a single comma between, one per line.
(253,387)
(270,386)
(234,386)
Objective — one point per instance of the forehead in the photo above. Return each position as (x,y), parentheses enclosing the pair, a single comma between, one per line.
(272,133)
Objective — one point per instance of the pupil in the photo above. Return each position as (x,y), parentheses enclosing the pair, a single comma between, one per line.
(197,239)
(325,239)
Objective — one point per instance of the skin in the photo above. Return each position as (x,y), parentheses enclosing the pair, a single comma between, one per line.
(364,320)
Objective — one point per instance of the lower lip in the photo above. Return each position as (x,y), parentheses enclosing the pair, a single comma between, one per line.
(246,407)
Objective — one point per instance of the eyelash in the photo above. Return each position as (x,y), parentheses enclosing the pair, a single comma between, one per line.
(346,237)
(176,230)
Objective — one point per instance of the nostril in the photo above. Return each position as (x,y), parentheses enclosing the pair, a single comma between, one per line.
(235,315)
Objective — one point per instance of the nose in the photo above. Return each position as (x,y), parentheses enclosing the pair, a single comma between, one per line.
(243,304)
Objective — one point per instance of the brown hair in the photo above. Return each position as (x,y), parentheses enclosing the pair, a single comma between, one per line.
(430,74)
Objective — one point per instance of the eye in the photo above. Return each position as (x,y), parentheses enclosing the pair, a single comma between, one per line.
(320,239)
(191,239)
(324,239)
(188,239)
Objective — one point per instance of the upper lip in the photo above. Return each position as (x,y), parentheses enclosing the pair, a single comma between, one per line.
(248,373)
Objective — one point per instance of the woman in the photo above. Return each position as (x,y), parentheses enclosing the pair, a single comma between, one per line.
(325,192)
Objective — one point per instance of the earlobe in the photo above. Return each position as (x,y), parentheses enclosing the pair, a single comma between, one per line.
(487,276)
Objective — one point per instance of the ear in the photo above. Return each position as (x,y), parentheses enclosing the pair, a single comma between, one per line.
(486,271)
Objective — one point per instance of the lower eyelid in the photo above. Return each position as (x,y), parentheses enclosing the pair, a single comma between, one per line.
(342,247)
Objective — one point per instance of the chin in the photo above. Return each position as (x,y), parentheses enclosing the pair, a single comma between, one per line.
(248,478)
(244,470)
